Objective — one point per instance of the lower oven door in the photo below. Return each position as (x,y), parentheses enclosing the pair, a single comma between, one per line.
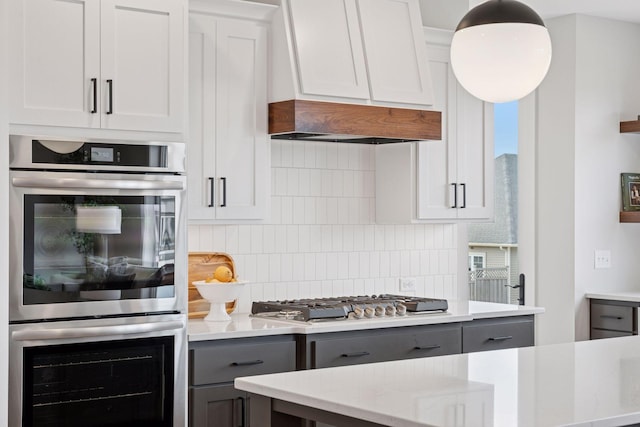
(99,372)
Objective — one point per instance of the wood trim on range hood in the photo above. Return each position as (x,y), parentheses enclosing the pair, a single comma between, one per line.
(328,121)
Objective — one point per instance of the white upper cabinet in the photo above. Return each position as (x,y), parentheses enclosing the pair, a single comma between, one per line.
(112,64)
(447,180)
(367,51)
(228,153)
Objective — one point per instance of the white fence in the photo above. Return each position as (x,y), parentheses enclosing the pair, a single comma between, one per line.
(490,284)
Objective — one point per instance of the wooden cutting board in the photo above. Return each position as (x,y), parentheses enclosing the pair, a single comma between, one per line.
(201,266)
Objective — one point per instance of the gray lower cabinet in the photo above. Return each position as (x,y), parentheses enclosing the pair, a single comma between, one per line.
(377,345)
(213,365)
(497,333)
(217,405)
(611,319)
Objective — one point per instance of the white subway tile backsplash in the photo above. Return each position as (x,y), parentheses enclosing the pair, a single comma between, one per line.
(298,210)
(322,240)
(343,156)
(310,211)
(275,268)
(244,239)
(298,155)
(348,184)
(232,239)
(286,210)
(304,182)
(354,265)
(332,156)
(279,182)
(297,260)
(310,154)
(293,182)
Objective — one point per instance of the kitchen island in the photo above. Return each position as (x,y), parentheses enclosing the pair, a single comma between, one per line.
(589,383)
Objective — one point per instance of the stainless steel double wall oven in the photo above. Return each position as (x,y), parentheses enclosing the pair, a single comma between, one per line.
(97,283)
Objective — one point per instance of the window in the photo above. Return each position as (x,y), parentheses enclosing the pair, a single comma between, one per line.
(477,260)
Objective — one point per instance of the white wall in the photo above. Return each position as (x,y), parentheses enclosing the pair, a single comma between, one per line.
(4,216)
(322,239)
(592,85)
(607,91)
(555,188)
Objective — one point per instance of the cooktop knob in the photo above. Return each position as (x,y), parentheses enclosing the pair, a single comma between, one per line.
(390,310)
(379,311)
(358,312)
(401,309)
(369,312)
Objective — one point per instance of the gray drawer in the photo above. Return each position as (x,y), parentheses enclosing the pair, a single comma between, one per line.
(498,333)
(613,317)
(597,334)
(223,360)
(382,345)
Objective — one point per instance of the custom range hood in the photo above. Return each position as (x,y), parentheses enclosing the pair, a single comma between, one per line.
(351,71)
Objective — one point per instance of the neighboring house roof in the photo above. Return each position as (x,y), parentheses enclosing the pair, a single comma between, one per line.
(504,229)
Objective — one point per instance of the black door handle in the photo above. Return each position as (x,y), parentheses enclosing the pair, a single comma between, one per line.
(426,347)
(211,192)
(610,316)
(455,195)
(357,354)
(224,192)
(464,196)
(505,338)
(94,90)
(248,363)
(110,88)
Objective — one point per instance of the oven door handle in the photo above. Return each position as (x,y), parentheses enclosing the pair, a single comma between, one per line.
(35,182)
(95,331)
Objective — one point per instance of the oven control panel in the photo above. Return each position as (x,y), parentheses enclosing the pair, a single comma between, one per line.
(95,153)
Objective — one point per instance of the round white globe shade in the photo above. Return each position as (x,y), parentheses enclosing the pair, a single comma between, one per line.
(501,62)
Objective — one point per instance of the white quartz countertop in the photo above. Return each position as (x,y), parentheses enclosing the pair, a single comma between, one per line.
(242,325)
(615,296)
(588,383)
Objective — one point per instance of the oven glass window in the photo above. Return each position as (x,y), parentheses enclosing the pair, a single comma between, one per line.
(110,383)
(83,248)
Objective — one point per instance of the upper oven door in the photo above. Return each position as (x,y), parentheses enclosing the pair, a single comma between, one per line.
(92,244)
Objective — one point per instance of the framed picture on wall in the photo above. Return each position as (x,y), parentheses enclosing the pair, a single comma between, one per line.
(630,191)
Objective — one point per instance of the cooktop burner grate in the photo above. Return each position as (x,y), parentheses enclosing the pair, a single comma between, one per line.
(347,307)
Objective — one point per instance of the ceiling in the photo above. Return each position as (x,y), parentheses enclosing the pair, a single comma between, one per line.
(622,10)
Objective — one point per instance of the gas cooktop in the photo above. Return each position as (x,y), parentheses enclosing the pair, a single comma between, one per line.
(348,307)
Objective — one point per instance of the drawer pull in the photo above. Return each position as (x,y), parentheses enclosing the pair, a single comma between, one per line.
(357,354)
(610,316)
(507,337)
(426,347)
(248,363)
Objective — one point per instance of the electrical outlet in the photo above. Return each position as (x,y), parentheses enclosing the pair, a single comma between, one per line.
(407,284)
(602,259)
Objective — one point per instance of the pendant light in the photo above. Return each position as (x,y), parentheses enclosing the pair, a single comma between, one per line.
(501,51)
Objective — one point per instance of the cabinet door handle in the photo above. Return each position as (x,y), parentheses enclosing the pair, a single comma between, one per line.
(211,192)
(426,347)
(455,195)
(248,363)
(110,89)
(238,412)
(610,316)
(224,192)
(356,354)
(464,196)
(94,91)
(507,337)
